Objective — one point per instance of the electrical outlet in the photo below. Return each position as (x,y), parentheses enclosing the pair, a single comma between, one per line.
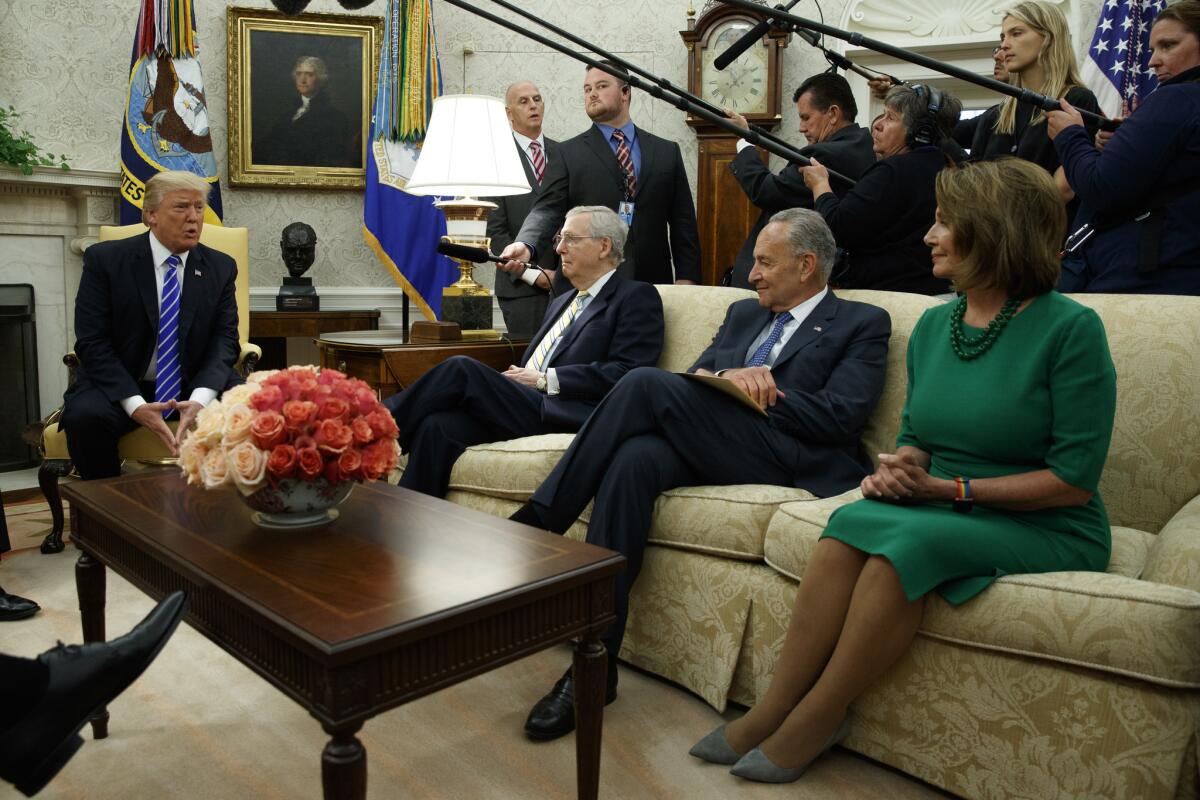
(468,48)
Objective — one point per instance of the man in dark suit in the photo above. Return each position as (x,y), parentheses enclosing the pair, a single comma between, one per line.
(156,316)
(813,367)
(827,110)
(523,295)
(633,172)
(591,337)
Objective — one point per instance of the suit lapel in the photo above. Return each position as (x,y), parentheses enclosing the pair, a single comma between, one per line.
(603,151)
(143,278)
(552,314)
(194,289)
(816,323)
(593,308)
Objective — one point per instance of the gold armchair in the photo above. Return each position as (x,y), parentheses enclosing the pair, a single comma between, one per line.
(141,444)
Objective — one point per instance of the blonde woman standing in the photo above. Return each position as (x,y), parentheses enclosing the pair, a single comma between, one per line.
(1035,45)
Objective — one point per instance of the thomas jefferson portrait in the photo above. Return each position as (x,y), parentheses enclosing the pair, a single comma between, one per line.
(308,113)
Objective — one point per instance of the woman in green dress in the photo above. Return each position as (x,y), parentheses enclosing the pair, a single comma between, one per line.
(1011,395)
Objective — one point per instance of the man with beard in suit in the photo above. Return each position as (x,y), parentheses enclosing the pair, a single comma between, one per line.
(591,336)
(812,367)
(827,110)
(523,295)
(635,173)
(155,317)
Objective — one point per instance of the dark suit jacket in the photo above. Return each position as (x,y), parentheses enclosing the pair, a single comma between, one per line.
(619,329)
(116,319)
(831,372)
(504,223)
(847,151)
(881,224)
(322,137)
(664,220)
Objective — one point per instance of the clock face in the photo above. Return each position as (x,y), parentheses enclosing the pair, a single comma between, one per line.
(742,85)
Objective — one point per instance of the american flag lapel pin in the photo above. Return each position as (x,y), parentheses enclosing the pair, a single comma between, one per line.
(817,328)
(196,272)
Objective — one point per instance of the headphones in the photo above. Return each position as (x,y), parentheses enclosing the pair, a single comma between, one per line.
(925,130)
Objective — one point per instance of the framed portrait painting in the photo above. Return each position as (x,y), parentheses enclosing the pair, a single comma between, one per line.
(300,95)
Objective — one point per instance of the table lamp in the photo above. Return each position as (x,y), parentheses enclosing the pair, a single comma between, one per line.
(468,152)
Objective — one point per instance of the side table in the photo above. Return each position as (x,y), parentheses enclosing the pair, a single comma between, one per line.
(388,365)
(270,330)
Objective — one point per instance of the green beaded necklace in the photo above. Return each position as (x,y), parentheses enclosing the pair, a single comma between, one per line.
(969,348)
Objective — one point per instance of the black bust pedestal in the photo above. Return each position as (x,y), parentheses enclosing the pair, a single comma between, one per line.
(297,294)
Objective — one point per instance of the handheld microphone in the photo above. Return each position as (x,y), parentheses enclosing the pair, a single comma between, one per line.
(742,45)
(479,255)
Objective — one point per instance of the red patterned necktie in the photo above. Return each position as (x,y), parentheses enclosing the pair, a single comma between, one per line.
(625,159)
(539,160)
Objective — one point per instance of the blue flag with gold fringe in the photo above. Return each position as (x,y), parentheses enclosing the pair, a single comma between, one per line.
(166,115)
(402,229)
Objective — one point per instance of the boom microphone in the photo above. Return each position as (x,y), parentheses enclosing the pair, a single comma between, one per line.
(742,45)
(462,252)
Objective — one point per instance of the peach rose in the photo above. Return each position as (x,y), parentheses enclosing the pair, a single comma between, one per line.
(333,435)
(382,423)
(191,456)
(247,465)
(238,420)
(297,414)
(345,467)
(209,424)
(282,462)
(267,398)
(213,468)
(268,430)
(238,394)
(363,434)
(334,408)
(308,463)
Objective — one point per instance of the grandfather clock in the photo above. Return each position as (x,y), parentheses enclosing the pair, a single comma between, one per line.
(751,87)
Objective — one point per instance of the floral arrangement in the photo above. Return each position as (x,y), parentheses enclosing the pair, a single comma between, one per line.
(299,423)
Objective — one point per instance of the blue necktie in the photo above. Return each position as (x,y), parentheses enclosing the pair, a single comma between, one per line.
(166,372)
(760,355)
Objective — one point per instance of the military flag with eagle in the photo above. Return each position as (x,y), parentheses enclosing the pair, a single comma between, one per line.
(166,116)
(402,229)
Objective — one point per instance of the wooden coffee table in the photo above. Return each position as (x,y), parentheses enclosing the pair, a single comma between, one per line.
(399,597)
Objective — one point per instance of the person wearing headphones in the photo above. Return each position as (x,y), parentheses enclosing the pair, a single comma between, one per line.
(880,223)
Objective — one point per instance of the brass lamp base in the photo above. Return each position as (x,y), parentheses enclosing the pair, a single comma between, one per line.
(467,302)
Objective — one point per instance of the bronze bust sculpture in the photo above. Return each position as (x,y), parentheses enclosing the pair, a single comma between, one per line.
(298,247)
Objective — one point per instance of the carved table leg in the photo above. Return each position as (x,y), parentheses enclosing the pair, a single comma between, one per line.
(90,584)
(344,764)
(591,668)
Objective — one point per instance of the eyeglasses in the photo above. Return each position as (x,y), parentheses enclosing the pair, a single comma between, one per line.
(568,241)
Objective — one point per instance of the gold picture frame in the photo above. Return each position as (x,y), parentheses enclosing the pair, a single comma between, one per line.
(273,143)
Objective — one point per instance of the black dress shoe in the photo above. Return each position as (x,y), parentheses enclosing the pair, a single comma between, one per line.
(554,715)
(82,680)
(13,607)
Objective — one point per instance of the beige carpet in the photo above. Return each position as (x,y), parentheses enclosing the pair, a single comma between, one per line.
(29,521)
(200,725)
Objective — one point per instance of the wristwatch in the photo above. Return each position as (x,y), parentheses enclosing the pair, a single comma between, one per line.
(541,383)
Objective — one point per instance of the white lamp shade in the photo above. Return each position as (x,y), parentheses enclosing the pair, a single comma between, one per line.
(468,151)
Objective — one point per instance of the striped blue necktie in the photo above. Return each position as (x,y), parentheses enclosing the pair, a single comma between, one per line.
(760,355)
(166,373)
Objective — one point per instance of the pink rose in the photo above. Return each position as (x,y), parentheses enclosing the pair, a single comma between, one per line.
(308,463)
(297,414)
(364,400)
(345,467)
(363,433)
(333,435)
(267,398)
(330,376)
(268,430)
(378,460)
(334,408)
(282,461)
(382,423)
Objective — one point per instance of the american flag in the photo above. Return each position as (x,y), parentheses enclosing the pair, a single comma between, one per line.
(1116,64)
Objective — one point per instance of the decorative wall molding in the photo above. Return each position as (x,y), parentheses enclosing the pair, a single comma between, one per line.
(388,299)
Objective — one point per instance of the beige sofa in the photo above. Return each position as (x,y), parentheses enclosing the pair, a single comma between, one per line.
(1055,685)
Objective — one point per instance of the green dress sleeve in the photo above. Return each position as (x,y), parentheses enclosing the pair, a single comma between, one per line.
(1083,399)
(906,437)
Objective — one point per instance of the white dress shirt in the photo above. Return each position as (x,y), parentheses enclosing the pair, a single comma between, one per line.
(799,314)
(159,253)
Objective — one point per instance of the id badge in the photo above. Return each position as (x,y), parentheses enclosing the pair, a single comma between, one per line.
(625,212)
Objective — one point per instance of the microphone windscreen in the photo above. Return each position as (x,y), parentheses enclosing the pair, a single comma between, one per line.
(462,252)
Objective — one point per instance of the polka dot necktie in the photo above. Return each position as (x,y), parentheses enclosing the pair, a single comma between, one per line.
(760,355)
